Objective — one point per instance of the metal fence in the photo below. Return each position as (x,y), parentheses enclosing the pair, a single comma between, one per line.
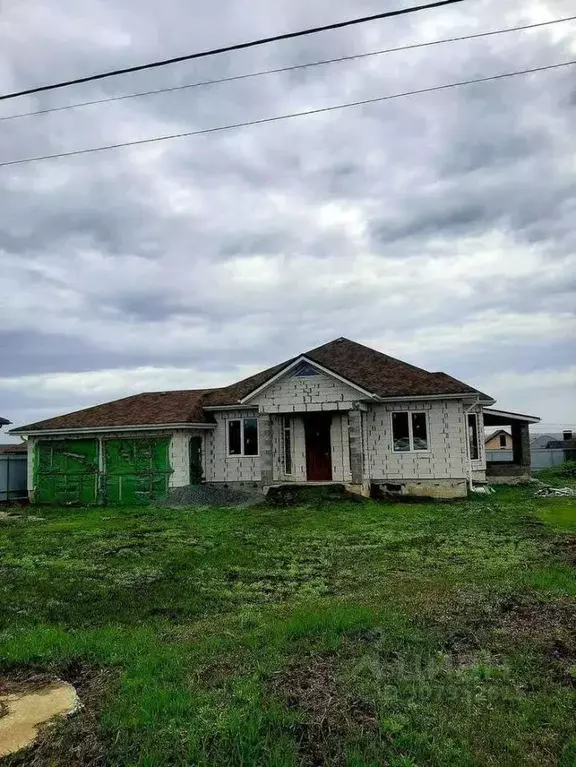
(13,477)
(541,458)
(500,455)
(546,459)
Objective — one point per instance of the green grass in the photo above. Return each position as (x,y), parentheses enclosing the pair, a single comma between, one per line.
(353,634)
(559,476)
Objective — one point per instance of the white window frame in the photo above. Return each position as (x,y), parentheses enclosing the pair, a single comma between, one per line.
(287,427)
(478,445)
(410,413)
(241,420)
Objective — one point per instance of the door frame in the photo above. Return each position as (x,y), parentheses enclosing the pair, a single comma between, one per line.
(326,420)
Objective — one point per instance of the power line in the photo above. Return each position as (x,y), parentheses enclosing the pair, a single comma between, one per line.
(229,48)
(323,62)
(278,118)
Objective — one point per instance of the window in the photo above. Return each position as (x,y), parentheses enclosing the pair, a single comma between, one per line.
(305,370)
(409,432)
(243,437)
(287,446)
(473,436)
(502,441)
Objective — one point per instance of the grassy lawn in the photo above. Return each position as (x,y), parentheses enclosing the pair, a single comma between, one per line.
(559,476)
(352,634)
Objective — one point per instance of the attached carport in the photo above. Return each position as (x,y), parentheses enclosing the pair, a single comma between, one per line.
(519,426)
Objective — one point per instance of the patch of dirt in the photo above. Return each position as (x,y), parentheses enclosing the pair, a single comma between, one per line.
(215,675)
(550,625)
(566,548)
(76,741)
(330,714)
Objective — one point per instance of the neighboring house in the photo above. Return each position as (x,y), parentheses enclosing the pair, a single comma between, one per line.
(19,448)
(340,413)
(552,449)
(499,440)
(547,441)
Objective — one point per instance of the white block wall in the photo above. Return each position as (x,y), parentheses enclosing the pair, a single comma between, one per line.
(446,457)
(180,456)
(340,448)
(219,466)
(308,394)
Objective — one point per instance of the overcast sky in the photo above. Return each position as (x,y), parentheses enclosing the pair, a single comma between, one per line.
(438,228)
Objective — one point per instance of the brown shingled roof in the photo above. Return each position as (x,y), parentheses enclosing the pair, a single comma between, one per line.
(20,447)
(377,373)
(151,409)
(382,375)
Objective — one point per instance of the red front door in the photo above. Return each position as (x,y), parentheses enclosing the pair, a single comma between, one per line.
(318,448)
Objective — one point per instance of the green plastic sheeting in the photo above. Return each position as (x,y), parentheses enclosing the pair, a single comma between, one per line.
(66,472)
(137,470)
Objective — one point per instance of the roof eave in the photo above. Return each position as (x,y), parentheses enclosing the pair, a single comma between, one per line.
(514,416)
(420,397)
(233,406)
(24,431)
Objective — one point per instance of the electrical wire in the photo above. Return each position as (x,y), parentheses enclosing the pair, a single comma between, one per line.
(278,118)
(235,78)
(230,48)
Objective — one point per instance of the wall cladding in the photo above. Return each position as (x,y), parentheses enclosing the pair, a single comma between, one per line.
(446,458)
(219,466)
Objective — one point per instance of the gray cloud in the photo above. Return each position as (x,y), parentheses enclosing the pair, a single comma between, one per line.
(447,210)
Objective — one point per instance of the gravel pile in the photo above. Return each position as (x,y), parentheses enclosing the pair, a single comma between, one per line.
(206,495)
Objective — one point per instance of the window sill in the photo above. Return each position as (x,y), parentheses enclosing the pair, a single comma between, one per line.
(412,452)
(232,457)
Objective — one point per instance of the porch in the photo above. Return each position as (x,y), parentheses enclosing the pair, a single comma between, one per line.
(519,467)
(318,447)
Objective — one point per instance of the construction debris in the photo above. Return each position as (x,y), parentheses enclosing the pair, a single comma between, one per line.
(556,492)
(482,490)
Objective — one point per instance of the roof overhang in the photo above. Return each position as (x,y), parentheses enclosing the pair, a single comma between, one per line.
(113,429)
(294,364)
(506,417)
(473,398)
(211,408)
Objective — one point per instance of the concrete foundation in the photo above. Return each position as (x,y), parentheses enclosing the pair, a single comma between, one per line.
(363,489)
(521,479)
(448,489)
(503,471)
